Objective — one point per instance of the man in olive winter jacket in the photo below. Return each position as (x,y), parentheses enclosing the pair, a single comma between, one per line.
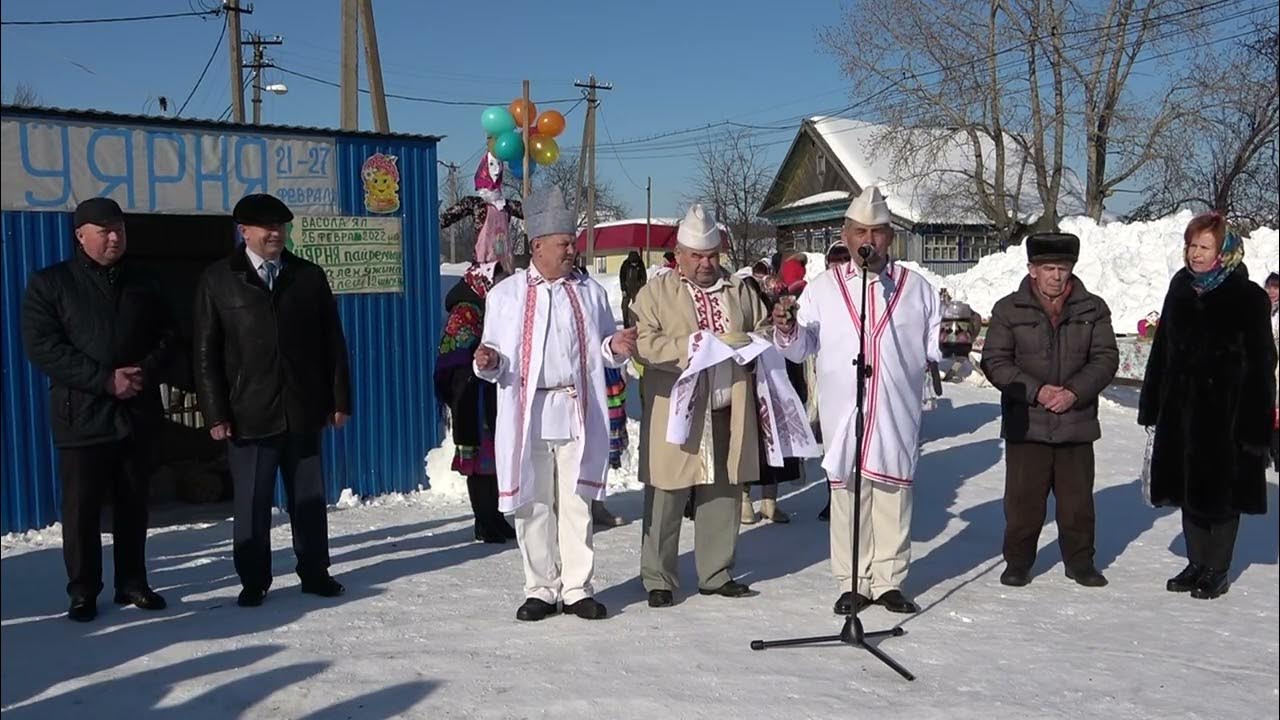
(1051,351)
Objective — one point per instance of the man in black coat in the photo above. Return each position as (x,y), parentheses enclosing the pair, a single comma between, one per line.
(271,373)
(1051,351)
(631,277)
(105,338)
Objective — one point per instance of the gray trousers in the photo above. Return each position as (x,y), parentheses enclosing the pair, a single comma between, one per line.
(717,515)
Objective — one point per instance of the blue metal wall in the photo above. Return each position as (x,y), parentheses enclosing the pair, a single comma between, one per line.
(391,338)
(29,490)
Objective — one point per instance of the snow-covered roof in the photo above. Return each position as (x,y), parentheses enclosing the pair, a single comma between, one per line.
(937,188)
(818,199)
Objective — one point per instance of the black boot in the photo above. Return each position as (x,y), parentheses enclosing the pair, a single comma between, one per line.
(1212,584)
(1186,580)
(1015,577)
(482,490)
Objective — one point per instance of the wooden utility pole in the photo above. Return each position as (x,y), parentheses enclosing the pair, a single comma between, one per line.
(589,148)
(373,67)
(454,197)
(648,220)
(233,10)
(259,62)
(350,71)
(526,131)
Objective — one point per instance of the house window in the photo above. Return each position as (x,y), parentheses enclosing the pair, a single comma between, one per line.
(975,247)
(602,265)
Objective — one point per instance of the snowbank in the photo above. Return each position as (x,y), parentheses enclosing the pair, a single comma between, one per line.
(1128,265)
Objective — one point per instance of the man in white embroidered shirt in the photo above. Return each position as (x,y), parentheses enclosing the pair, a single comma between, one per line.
(548,335)
(902,324)
(722,450)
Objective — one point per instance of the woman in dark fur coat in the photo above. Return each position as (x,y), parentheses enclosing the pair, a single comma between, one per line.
(1208,392)
(473,404)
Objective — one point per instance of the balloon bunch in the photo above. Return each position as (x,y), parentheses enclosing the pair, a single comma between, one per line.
(506,141)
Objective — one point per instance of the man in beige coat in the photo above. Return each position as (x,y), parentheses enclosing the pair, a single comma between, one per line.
(722,450)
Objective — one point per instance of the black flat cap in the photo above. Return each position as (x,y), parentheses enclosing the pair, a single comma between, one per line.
(1053,247)
(261,209)
(98,211)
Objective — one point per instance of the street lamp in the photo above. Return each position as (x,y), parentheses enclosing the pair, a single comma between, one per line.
(274,88)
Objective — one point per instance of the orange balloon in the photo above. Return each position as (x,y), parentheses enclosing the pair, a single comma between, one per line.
(550,123)
(520,112)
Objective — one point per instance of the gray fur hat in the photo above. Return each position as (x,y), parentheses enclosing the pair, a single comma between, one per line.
(545,214)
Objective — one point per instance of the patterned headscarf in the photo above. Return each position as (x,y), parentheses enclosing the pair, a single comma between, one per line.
(479,277)
(1229,259)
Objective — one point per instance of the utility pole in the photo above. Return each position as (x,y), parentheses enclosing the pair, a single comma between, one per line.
(259,62)
(589,149)
(350,72)
(454,196)
(232,9)
(648,220)
(373,67)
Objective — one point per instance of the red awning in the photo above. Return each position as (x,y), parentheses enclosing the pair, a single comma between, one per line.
(624,236)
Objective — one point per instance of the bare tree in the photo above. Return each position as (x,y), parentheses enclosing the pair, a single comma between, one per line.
(732,179)
(564,175)
(950,106)
(24,95)
(1020,82)
(1224,156)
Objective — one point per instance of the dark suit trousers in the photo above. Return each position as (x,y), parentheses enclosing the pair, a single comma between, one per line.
(92,475)
(254,465)
(1032,470)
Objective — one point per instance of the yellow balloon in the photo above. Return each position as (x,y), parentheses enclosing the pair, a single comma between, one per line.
(544,150)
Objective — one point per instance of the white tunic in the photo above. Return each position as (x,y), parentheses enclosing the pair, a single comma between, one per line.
(903,320)
(518,326)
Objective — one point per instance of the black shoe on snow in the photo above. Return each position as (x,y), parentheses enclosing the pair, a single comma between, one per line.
(1186,580)
(849,601)
(82,609)
(894,601)
(587,609)
(1015,577)
(145,598)
(661,598)
(1088,577)
(534,610)
(1212,584)
(731,589)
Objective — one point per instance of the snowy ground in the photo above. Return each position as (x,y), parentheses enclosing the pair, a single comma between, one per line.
(427,628)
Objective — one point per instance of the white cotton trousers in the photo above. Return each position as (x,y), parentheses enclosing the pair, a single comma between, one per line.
(884,545)
(554,528)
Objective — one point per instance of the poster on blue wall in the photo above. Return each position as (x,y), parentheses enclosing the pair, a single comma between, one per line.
(53,165)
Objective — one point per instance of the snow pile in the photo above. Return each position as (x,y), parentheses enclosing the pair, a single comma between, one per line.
(51,535)
(445,485)
(1128,265)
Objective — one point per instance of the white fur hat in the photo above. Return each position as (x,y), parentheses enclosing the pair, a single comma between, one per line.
(698,230)
(869,208)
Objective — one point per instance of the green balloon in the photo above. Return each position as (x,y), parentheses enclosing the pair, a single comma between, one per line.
(497,120)
(509,146)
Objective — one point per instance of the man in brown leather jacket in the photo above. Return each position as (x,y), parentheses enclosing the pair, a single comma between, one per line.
(1051,351)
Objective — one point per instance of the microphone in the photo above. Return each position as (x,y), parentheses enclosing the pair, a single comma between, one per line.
(864,252)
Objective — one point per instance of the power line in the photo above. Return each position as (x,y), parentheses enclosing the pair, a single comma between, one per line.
(133,18)
(416,98)
(209,62)
(1212,4)
(616,156)
(645,147)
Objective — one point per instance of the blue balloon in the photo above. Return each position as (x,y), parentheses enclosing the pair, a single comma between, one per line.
(517,169)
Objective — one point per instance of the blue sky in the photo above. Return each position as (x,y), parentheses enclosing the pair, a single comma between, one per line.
(673,64)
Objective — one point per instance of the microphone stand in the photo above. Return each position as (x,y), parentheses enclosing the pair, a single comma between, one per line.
(852,633)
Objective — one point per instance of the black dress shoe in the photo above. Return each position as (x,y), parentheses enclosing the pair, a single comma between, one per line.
(661,598)
(1015,577)
(732,589)
(587,609)
(82,609)
(146,598)
(490,535)
(848,601)
(1212,584)
(251,597)
(1186,580)
(534,609)
(324,586)
(1088,577)
(894,601)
